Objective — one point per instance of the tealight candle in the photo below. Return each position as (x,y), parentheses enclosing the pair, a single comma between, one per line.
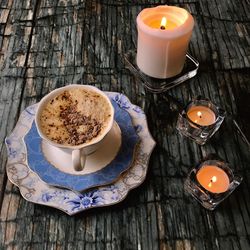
(200,120)
(213,179)
(201,115)
(211,182)
(164,33)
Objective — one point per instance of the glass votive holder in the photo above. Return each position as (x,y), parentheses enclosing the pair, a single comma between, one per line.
(211,182)
(200,120)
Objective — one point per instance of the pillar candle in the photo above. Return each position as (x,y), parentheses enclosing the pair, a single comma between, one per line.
(161,49)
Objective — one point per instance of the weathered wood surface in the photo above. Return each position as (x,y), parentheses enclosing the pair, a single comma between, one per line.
(46,44)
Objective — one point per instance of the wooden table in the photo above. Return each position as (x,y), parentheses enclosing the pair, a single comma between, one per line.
(47,44)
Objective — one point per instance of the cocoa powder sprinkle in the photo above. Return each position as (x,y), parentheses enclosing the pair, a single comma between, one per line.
(70,121)
(73,119)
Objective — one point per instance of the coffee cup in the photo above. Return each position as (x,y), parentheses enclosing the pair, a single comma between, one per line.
(75,119)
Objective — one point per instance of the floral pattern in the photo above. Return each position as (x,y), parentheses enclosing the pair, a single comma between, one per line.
(85,201)
(122,101)
(37,191)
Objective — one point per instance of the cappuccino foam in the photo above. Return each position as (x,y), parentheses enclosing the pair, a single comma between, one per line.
(75,116)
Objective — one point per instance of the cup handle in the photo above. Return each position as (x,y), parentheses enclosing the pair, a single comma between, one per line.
(78,159)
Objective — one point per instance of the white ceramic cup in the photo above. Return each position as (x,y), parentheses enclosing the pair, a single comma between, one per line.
(78,152)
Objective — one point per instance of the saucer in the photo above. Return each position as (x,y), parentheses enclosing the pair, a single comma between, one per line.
(55,168)
(36,191)
(94,162)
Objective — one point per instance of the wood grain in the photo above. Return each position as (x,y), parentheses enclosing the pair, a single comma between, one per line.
(46,44)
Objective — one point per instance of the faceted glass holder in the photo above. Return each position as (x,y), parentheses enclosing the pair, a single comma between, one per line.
(206,198)
(156,85)
(200,134)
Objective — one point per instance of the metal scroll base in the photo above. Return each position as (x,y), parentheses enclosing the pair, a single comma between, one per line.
(155,85)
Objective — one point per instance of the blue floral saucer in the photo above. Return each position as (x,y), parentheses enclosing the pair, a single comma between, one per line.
(81,181)
(35,190)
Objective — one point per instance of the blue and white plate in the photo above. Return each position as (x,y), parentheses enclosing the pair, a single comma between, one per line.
(35,190)
(95,173)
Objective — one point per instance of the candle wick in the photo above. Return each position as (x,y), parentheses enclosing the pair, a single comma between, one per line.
(162,27)
(213,179)
(210,183)
(199,114)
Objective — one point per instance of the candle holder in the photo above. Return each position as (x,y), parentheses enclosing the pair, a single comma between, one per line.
(207,198)
(198,132)
(156,85)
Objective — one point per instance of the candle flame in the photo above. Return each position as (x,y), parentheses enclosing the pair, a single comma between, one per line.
(163,23)
(214,179)
(199,114)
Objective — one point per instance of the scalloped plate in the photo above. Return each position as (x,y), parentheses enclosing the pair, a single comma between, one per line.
(35,190)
